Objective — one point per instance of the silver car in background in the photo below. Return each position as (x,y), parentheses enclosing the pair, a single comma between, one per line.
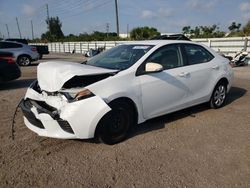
(24,54)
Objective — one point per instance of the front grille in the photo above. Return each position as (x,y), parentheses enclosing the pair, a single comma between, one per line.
(46,106)
(42,107)
(65,126)
(26,106)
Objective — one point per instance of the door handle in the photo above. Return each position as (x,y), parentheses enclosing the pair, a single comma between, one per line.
(184,74)
(216,67)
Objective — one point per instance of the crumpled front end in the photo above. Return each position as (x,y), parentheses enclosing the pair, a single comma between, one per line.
(55,116)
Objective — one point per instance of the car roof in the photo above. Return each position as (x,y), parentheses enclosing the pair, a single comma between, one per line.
(13,42)
(23,41)
(159,42)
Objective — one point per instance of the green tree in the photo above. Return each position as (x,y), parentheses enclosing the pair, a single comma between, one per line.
(234,27)
(196,32)
(186,29)
(246,29)
(203,31)
(54,32)
(143,33)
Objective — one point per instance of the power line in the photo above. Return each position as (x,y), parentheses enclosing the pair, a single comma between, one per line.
(86,11)
(65,10)
(74,7)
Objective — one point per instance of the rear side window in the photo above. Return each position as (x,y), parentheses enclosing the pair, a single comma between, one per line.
(4,45)
(197,54)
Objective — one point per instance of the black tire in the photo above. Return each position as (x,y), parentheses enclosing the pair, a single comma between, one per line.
(24,60)
(40,56)
(115,125)
(219,95)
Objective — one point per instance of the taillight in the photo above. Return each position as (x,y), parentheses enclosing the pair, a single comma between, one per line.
(34,49)
(9,60)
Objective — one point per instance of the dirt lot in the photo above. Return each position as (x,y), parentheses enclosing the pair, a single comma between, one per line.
(197,147)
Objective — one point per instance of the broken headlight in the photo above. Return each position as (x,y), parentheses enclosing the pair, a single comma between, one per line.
(72,97)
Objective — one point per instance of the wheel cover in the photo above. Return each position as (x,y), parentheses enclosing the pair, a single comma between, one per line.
(220,95)
(24,61)
(118,123)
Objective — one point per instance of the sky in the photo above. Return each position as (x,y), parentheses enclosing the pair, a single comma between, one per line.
(79,16)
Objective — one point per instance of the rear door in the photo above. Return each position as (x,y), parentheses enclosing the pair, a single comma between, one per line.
(199,72)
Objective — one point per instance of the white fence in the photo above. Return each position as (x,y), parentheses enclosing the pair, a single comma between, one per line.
(225,45)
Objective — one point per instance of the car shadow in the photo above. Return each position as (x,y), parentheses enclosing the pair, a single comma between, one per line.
(52,58)
(34,64)
(16,84)
(234,94)
(160,122)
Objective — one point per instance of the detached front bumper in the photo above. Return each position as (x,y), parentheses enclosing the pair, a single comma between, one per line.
(76,120)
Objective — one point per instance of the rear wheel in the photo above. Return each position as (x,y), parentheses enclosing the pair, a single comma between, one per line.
(115,125)
(23,60)
(40,56)
(219,95)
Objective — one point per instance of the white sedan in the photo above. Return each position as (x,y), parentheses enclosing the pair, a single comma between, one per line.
(124,86)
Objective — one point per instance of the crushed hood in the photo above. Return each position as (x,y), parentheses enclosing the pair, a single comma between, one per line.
(52,75)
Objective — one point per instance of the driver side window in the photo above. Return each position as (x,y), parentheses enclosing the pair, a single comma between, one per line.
(168,56)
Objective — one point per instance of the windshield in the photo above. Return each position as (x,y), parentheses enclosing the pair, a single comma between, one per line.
(120,57)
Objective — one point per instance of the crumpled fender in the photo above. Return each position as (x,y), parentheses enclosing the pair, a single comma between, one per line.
(83,116)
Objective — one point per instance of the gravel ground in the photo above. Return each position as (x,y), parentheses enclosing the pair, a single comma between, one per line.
(196,147)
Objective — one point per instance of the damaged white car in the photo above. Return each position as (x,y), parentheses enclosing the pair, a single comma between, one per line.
(126,85)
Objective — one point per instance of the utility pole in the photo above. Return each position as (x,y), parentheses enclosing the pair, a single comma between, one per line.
(18,28)
(32,32)
(127,30)
(117,18)
(107,29)
(47,8)
(7,28)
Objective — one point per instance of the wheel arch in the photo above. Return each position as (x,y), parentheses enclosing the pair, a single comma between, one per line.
(20,55)
(129,101)
(222,79)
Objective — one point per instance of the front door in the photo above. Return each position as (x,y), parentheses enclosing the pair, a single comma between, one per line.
(164,91)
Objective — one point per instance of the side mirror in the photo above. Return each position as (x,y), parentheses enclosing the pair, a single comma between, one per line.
(153,67)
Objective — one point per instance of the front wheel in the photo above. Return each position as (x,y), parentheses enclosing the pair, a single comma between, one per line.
(219,95)
(115,125)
